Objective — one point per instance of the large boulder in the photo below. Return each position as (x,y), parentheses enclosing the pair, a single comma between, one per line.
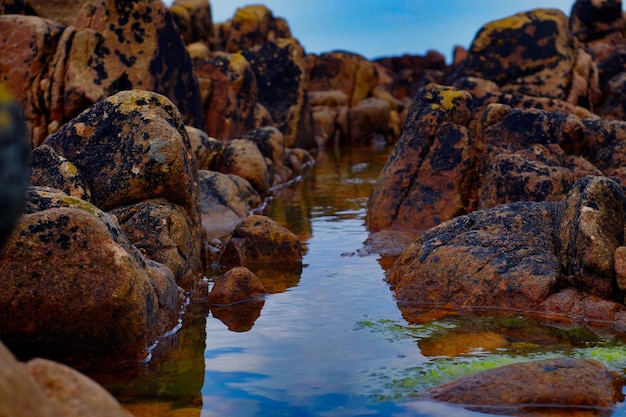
(545,385)
(75,288)
(532,53)
(133,147)
(58,71)
(427,176)
(556,259)
(281,74)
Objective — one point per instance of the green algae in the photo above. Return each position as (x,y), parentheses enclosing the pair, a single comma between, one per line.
(543,342)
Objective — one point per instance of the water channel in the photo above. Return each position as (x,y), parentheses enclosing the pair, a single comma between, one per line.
(331,340)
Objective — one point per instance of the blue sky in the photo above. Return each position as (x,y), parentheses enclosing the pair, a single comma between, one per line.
(376,28)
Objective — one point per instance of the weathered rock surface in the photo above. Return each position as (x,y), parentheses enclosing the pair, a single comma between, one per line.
(133,147)
(194,20)
(106,49)
(281,74)
(546,385)
(237,285)
(260,241)
(85,290)
(224,201)
(522,256)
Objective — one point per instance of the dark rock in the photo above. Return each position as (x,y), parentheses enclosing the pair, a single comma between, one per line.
(194,20)
(281,75)
(14,160)
(49,169)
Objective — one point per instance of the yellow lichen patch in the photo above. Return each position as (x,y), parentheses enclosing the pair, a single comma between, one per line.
(69,168)
(515,22)
(448,98)
(249,14)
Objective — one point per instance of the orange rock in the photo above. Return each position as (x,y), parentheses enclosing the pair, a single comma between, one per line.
(237,285)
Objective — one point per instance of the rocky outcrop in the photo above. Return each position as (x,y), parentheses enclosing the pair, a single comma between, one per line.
(114,303)
(132,47)
(561,384)
(555,259)
(133,147)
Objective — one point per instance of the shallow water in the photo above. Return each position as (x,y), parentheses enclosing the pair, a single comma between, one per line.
(331,341)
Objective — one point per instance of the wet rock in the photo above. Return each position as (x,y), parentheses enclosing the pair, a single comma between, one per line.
(251,26)
(14,160)
(258,241)
(133,147)
(502,257)
(78,258)
(576,305)
(229,94)
(194,20)
(237,285)
(427,176)
(49,169)
(539,385)
(343,71)
(72,393)
(281,75)
(529,53)
(224,201)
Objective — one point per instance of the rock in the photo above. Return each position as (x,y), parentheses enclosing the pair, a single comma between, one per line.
(229,94)
(590,229)
(224,201)
(49,169)
(343,71)
(237,285)
(194,20)
(260,241)
(14,160)
(73,394)
(79,259)
(328,98)
(530,53)
(200,146)
(427,176)
(369,118)
(542,385)
(501,257)
(591,20)
(281,75)
(251,26)
(60,11)
(57,71)
(133,147)
(242,157)
(24,69)
(163,232)
(554,259)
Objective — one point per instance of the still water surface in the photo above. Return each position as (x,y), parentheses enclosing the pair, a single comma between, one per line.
(331,341)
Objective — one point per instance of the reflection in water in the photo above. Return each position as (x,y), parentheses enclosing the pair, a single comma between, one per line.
(330,340)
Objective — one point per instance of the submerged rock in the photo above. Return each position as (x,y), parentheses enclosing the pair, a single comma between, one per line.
(541,386)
